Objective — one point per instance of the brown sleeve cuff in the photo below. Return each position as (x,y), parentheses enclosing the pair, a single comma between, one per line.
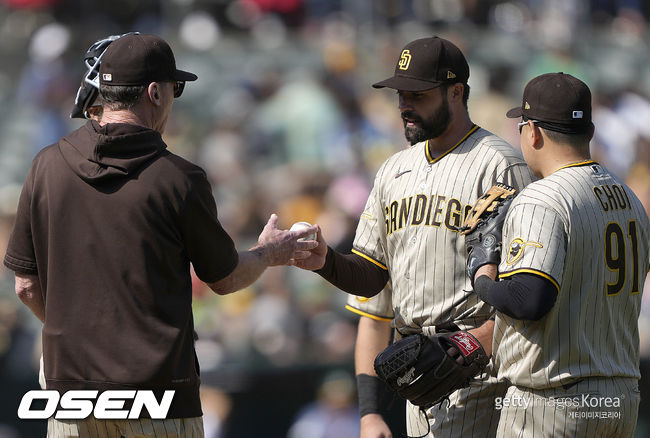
(20,266)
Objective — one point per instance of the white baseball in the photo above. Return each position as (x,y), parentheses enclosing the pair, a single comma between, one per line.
(301,226)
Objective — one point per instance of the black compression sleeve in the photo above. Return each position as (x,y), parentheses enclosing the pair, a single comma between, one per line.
(353,274)
(522,296)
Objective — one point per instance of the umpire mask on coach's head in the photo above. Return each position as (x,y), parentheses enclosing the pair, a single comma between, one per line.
(89,88)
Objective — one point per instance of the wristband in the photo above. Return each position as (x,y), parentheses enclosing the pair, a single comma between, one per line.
(371,391)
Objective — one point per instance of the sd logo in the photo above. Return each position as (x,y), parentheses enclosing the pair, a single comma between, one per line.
(404,60)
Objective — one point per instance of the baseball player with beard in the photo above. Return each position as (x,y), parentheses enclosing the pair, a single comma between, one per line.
(566,335)
(408,234)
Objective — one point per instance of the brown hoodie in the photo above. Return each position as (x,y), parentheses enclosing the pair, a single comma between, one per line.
(110,221)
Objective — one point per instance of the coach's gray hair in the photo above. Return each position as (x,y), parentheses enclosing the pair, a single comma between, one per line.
(119,97)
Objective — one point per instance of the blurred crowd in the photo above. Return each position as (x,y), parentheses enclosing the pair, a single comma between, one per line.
(283,119)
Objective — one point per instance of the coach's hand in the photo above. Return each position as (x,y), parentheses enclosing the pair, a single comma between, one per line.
(280,247)
(314,258)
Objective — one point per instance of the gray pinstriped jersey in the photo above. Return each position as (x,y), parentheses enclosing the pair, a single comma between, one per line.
(584,230)
(144,427)
(408,225)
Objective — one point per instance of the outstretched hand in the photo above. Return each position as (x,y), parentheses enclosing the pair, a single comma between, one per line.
(280,247)
(313,258)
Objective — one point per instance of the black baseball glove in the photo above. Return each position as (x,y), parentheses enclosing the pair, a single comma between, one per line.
(483,227)
(422,371)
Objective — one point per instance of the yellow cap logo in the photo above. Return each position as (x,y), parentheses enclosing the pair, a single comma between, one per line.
(404,60)
(363,299)
(450,75)
(527,106)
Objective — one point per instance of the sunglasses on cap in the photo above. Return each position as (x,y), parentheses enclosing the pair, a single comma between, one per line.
(179,86)
(525,122)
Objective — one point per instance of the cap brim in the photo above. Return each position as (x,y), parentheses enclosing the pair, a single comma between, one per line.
(184,76)
(403,83)
(515,113)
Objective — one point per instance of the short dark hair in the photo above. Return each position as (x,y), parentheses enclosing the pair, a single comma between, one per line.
(577,141)
(445,87)
(117,97)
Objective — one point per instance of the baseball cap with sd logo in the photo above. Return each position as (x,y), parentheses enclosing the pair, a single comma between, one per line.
(427,63)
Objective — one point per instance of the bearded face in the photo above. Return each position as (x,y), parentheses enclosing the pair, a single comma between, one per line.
(419,127)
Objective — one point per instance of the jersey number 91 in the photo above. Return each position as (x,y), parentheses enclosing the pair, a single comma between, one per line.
(616,250)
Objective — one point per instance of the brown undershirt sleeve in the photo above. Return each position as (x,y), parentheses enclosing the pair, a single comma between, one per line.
(353,274)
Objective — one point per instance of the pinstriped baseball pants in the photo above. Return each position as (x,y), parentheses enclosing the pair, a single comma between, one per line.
(143,428)
(592,408)
(470,412)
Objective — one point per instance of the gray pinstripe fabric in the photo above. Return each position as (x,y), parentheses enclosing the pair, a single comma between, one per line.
(583,229)
(469,412)
(143,428)
(559,413)
(587,332)
(426,258)
(408,227)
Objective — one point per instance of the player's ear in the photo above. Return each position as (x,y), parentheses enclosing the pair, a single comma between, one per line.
(154,93)
(456,92)
(536,137)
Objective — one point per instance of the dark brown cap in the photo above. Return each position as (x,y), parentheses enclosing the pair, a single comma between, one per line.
(560,100)
(427,63)
(139,59)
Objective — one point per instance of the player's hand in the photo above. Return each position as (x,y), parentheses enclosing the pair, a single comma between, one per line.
(453,352)
(314,258)
(279,247)
(374,426)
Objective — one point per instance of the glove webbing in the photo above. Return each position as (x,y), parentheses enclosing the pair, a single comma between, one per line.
(486,203)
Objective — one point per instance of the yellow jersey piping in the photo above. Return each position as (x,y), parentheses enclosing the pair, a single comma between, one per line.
(360,254)
(581,163)
(531,271)
(431,160)
(362,313)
